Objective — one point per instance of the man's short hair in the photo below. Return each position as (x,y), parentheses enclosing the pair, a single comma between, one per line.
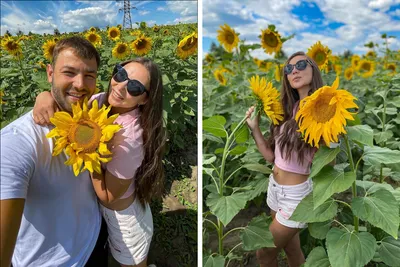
(82,47)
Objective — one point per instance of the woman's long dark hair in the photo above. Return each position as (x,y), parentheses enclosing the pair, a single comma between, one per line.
(149,178)
(291,140)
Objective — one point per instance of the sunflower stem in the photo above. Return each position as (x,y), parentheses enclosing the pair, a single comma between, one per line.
(22,69)
(238,59)
(354,187)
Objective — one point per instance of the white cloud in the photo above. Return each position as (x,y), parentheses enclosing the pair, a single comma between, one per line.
(84,18)
(143,12)
(383,5)
(150,23)
(186,9)
(161,8)
(191,19)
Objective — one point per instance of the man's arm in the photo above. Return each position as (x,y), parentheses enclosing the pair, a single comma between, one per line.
(10,221)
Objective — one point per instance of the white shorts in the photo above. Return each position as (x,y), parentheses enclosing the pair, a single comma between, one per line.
(129,232)
(283,199)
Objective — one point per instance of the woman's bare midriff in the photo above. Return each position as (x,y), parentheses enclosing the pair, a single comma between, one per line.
(283,177)
(120,204)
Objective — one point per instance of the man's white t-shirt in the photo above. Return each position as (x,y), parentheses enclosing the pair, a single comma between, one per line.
(61,219)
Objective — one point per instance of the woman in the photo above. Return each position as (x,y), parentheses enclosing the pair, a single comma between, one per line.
(292,157)
(135,173)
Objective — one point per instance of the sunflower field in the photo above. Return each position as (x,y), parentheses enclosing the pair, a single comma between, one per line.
(353,212)
(174,49)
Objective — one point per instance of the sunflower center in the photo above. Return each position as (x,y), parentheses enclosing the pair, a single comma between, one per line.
(220,77)
(229,37)
(92,38)
(141,44)
(366,66)
(356,62)
(86,134)
(121,49)
(322,112)
(113,34)
(12,45)
(320,57)
(391,67)
(189,44)
(270,40)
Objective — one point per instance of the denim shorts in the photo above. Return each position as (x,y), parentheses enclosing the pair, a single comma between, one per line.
(129,232)
(283,199)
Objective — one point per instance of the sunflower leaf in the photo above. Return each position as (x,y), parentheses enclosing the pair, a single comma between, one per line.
(361,133)
(226,207)
(214,261)
(215,126)
(256,234)
(319,229)
(317,257)
(381,155)
(305,211)
(389,251)
(323,156)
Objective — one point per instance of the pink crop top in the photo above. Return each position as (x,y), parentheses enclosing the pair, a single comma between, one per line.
(293,165)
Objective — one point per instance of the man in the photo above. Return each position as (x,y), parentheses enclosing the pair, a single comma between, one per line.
(49,217)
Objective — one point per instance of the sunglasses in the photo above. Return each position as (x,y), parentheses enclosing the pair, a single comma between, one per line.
(300,65)
(134,87)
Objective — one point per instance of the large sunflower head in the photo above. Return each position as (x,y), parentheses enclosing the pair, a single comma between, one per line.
(268,97)
(323,114)
(271,41)
(12,47)
(121,50)
(84,136)
(320,54)
(48,48)
(114,33)
(142,45)
(94,38)
(348,73)
(219,76)
(366,68)
(355,59)
(188,46)
(228,38)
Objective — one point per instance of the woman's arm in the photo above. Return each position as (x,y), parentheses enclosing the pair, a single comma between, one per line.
(109,188)
(261,143)
(44,108)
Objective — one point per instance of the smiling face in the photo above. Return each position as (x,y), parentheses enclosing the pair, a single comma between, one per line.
(72,78)
(300,79)
(119,97)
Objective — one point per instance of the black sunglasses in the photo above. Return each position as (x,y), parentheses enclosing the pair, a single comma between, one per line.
(134,87)
(300,65)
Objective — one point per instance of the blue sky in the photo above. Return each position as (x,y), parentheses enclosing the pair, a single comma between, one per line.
(339,24)
(69,16)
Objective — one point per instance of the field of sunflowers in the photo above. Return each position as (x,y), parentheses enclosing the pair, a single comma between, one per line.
(353,212)
(174,49)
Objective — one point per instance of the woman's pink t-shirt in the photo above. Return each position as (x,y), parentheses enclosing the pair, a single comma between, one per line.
(127,145)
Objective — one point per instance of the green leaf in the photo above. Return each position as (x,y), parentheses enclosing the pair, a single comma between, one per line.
(219,150)
(371,187)
(323,156)
(383,136)
(237,150)
(226,207)
(209,160)
(395,101)
(215,126)
(258,168)
(380,209)
(241,135)
(329,181)
(349,249)
(256,235)
(356,121)
(361,133)
(214,261)
(212,138)
(305,211)
(389,251)
(317,258)
(376,155)
(259,186)
(319,229)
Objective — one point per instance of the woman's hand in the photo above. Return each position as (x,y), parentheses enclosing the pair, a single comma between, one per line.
(252,123)
(44,108)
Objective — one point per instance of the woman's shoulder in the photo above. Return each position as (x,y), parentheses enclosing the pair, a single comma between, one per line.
(100,97)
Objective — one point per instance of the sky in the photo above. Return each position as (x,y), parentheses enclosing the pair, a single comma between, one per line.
(74,16)
(339,24)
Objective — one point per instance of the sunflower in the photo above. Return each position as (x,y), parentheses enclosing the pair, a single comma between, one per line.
(142,45)
(371,53)
(278,72)
(337,68)
(166,32)
(348,73)
(257,61)
(156,28)
(268,96)
(355,59)
(366,68)
(188,46)
(227,37)
(13,47)
(84,136)
(219,76)
(320,54)
(391,67)
(136,33)
(114,33)
(92,29)
(334,59)
(209,58)
(270,41)
(41,64)
(264,65)
(324,113)
(94,38)
(48,48)
(120,50)
(1,98)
